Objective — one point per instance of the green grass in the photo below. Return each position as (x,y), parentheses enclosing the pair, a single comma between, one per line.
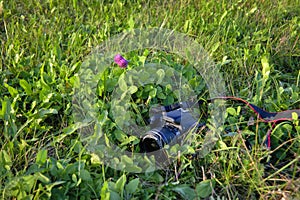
(43,44)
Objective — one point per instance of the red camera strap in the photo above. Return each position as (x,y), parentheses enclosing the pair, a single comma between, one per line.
(265,116)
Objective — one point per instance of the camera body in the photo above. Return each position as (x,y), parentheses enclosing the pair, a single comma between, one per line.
(167,124)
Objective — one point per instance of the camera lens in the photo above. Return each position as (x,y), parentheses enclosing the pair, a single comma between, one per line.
(151,142)
(155,139)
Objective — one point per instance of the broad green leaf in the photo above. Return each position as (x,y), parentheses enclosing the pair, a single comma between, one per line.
(41,177)
(156,177)
(29,181)
(59,165)
(122,84)
(74,178)
(26,86)
(169,100)
(231,111)
(5,160)
(161,75)
(161,95)
(148,88)
(221,144)
(45,94)
(43,112)
(105,195)
(77,146)
(85,175)
(114,196)
(144,77)
(120,184)
(185,191)
(50,186)
(142,59)
(41,157)
(12,91)
(75,81)
(120,135)
(152,93)
(295,116)
(130,139)
(132,89)
(132,186)
(126,160)
(134,168)
(111,84)
(71,128)
(95,160)
(204,188)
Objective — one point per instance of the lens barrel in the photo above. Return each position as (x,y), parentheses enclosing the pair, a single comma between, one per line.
(156,139)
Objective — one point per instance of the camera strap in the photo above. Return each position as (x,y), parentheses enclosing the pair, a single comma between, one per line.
(265,116)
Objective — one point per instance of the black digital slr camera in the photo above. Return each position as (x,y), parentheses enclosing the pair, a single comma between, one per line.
(167,124)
